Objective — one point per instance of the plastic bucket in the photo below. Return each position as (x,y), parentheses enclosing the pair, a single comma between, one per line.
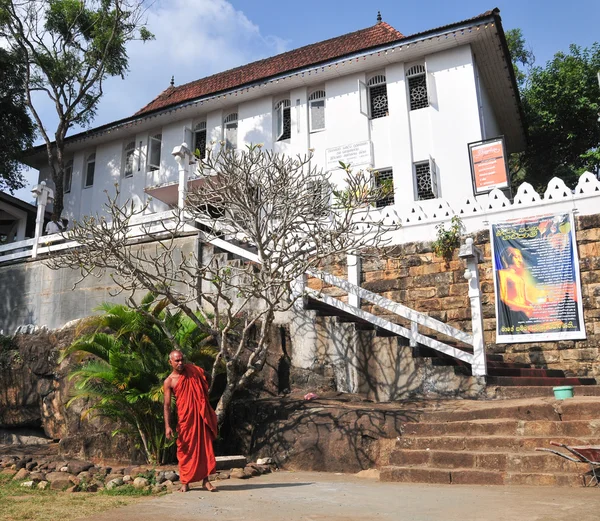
(562,392)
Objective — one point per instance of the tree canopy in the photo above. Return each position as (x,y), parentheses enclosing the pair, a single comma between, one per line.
(68,48)
(561,101)
(16,131)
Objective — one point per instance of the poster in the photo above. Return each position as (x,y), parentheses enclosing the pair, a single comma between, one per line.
(488,166)
(536,280)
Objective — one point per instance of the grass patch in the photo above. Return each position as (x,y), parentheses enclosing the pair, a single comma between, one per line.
(126,490)
(23,504)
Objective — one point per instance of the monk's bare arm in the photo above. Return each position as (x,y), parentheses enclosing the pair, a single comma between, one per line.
(168,391)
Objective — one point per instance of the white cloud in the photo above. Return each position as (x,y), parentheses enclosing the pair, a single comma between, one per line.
(194,39)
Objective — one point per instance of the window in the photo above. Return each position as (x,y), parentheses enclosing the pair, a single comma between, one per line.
(200,140)
(128,159)
(378,100)
(154,144)
(316,110)
(68,176)
(385,179)
(230,131)
(90,168)
(283,120)
(425,181)
(417,87)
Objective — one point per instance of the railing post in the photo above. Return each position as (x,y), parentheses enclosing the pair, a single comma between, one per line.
(473,257)
(354,269)
(43,196)
(182,154)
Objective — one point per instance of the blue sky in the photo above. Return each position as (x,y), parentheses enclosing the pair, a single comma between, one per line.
(196,38)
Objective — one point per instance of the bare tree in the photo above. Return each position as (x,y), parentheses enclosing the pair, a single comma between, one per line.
(288,217)
(67,50)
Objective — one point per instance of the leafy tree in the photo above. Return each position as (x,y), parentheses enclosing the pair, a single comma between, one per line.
(278,207)
(124,377)
(68,48)
(16,132)
(560,102)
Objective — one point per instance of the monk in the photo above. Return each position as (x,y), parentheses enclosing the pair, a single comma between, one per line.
(196,422)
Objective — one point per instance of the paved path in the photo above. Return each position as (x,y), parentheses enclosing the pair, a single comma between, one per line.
(313,496)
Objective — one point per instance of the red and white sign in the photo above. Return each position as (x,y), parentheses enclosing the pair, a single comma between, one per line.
(488,165)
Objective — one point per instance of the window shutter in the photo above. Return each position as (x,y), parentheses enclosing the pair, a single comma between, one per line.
(279,116)
(364,98)
(188,137)
(434,177)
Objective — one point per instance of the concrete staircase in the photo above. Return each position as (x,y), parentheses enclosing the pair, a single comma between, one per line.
(494,442)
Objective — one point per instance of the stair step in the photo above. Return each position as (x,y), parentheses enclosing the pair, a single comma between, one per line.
(516,372)
(427,352)
(500,461)
(484,443)
(493,427)
(460,476)
(447,361)
(546,381)
(532,391)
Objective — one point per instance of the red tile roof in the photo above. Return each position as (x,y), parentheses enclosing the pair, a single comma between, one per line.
(374,36)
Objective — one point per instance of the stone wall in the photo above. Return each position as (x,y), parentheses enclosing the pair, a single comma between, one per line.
(414,276)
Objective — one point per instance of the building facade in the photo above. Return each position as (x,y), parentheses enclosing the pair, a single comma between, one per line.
(405,106)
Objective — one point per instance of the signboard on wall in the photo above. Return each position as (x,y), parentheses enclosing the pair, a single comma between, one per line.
(536,280)
(488,165)
(355,154)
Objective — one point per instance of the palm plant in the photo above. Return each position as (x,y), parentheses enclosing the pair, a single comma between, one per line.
(123,378)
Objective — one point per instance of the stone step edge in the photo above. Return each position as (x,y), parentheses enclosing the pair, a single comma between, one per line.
(594,440)
(467,476)
(491,453)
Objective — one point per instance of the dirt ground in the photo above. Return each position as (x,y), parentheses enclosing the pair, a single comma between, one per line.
(313,496)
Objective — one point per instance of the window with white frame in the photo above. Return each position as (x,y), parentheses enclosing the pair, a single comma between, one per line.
(67,176)
(128,159)
(154,146)
(90,169)
(417,87)
(283,120)
(425,180)
(230,131)
(378,99)
(384,180)
(316,110)
(200,140)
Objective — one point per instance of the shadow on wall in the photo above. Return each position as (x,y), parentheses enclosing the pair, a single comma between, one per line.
(14,288)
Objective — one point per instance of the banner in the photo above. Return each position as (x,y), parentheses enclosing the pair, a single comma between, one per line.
(536,279)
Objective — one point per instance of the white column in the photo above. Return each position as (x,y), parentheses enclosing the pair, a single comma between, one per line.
(43,195)
(182,155)
(354,269)
(473,256)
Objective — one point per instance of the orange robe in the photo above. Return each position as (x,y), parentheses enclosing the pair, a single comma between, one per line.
(196,426)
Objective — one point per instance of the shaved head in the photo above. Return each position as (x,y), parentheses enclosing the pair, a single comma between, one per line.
(175,352)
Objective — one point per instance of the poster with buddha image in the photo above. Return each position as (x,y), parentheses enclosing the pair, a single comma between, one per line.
(536,280)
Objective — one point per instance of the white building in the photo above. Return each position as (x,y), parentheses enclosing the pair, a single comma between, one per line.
(406,106)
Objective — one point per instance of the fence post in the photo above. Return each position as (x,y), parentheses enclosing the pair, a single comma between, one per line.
(354,269)
(298,288)
(473,256)
(43,196)
(182,154)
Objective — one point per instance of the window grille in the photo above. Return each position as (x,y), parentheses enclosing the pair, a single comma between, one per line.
(231,131)
(385,178)
(68,177)
(378,100)
(200,140)
(417,87)
(128,159)
(90,170)
(426,185)
(155,145)
(316,107)
(283,121)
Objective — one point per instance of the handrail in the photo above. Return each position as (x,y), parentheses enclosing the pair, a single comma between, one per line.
(394,307)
